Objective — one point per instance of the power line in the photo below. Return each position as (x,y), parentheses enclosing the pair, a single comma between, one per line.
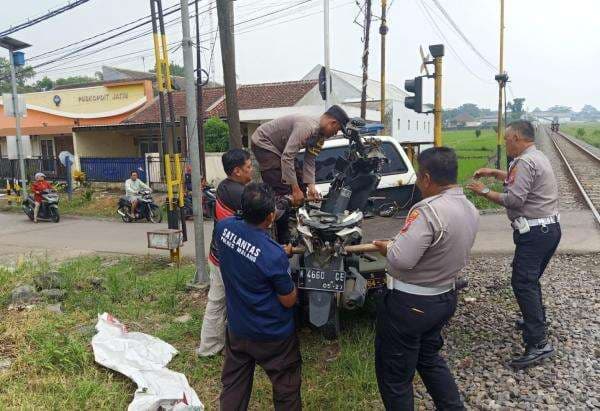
(50,14)
(434,24)
(463,36)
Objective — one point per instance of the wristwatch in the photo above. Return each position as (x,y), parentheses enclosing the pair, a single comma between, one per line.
(485,190)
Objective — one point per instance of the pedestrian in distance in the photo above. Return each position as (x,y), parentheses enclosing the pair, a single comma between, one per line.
(424,261)
(530,196)
(260,297)
(276,144)
(238,167)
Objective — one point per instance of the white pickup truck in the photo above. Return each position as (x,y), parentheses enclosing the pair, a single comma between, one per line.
(397,180)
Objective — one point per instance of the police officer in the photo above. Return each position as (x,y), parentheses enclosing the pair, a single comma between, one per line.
(424,261)
(530,196)
(277,143)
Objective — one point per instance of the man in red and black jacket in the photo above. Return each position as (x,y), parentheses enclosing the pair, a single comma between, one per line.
(238,167)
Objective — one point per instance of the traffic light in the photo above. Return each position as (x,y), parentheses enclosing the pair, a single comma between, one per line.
(414,102)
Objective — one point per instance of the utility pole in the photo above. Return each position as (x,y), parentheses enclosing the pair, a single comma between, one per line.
(365,59)
(383,30)
(200,121)
(326,51)
(501,78)
(225,17)
(437,100)
(13,46)
(190,101)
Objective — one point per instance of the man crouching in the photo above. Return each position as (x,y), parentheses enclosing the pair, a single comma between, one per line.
(260,295)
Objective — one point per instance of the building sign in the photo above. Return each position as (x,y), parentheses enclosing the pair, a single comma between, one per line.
(88,102)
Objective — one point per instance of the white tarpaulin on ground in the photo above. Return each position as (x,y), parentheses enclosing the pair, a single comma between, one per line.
(144,359)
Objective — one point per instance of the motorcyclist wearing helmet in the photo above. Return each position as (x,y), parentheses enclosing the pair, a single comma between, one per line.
(132,188)
(39,185)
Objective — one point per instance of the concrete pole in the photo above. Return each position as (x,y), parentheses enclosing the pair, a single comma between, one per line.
(365,60)
(225,16)
(191,108)
(437,110)
(15,99)
(327,56)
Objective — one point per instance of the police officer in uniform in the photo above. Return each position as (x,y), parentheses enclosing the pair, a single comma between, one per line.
(424,260)
(530,196)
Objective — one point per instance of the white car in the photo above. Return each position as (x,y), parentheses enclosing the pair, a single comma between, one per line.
(397,180)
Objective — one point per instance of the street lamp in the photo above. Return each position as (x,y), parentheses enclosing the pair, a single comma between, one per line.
(16,58)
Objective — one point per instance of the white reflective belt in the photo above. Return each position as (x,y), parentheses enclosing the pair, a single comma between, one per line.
(544,220)
(420,290)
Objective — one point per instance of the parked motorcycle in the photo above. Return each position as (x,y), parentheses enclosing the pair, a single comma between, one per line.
(48,209)
(328,276)
(146,209)
(209,200)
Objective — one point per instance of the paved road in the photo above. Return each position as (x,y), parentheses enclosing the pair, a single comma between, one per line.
(77,236)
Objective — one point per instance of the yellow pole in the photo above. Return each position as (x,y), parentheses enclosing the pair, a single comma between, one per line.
(383,31)
(500,86)
(437,108)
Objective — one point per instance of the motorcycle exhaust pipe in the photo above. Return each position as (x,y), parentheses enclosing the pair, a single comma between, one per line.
(121,213)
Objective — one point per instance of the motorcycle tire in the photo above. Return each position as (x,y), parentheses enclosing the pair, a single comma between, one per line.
(154,214)
(331,329)
(54,215)
(29,213)
(125,217)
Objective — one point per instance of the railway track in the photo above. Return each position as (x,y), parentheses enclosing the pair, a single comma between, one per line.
(583,166)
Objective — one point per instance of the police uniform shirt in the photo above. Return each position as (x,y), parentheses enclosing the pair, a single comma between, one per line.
(436,240)
(530,188)
(286,136)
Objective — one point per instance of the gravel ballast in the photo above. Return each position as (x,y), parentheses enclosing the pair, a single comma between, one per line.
(481,339)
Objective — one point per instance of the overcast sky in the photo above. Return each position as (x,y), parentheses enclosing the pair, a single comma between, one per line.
(552,47)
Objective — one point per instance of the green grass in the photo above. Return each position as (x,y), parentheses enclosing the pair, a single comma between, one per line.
(52,361)
(473,153)
(591,130)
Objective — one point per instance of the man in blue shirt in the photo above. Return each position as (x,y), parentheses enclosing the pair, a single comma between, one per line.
(260,296)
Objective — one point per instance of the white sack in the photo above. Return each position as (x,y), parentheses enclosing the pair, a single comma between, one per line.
(143,358)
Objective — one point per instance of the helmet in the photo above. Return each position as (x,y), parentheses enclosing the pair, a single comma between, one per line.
(40,175)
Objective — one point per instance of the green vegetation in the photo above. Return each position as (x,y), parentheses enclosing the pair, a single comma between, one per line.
(474,152)
(588,132)
(216,132)
(52,361)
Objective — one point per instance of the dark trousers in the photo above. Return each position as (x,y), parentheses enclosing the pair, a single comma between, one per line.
(281,361)
(270,172)
(532,254)
(408,338)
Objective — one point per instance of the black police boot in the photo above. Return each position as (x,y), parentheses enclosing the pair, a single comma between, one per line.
(532,355)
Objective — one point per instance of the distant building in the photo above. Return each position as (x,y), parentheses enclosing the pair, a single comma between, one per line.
(402,123)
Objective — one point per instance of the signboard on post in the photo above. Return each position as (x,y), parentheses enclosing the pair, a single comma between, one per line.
(9,109)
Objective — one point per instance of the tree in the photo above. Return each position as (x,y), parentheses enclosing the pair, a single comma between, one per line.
(560,109)
(588,109)
(66,81)
(44,84)
(516,108)
(478,133)
(580,132)
(216,133)
(23,74)
(176,70)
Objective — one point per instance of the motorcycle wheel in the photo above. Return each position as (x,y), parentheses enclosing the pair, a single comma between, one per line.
(331,329)
(154,214)
(54,215)
(29,213)
(125,217)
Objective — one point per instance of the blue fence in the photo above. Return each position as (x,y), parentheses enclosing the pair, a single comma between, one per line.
(112,169)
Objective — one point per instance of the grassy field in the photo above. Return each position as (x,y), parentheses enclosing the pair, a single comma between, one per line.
(473,153)
(591,132)
(52,361)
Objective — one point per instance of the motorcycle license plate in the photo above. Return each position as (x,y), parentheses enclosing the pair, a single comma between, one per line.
(322,280)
